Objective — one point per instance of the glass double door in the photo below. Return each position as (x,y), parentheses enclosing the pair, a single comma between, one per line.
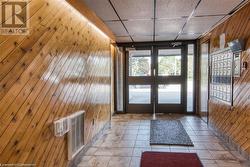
(156,79)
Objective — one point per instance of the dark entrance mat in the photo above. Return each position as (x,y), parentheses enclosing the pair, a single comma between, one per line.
(168,132)
(165,159)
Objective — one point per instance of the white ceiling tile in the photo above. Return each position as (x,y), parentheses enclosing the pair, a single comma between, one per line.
(102,8)
(123,39)
(134,9)
(117,28)
(169,26)
(200,24)
(174,8)
(139,27)
(216,7)
(166,37)
(142,38)
(188,36)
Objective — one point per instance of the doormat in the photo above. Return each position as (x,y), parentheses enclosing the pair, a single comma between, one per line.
(168,132)
(165,159)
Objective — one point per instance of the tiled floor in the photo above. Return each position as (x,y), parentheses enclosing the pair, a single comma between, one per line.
(123,144)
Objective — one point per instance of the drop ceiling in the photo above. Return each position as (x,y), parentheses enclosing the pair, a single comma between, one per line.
(161,20)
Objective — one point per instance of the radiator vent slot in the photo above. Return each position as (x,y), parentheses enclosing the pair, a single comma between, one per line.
(75,134)
(61,127)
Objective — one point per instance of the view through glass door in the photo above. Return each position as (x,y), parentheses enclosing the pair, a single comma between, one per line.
(156,78)
(139,81)
(170,80)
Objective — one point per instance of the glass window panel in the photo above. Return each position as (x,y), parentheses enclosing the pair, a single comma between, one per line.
(169,94)
(169,62)
(204,60)
(140,63)
(139,94)
(119,80)
(190,80)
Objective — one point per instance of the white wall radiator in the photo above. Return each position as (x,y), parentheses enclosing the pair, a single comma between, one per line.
(75,134)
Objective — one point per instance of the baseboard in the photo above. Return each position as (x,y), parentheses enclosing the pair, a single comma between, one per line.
(229,141)
(78,157)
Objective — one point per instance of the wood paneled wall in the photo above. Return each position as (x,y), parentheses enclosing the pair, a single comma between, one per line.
(61,67)
(234,123)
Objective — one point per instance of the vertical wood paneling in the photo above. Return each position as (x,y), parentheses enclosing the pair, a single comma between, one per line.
(61,67)
(234,123)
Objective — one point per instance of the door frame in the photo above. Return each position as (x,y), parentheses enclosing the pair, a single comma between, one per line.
(207,42)
(141,80)
(124,46)
(175,108)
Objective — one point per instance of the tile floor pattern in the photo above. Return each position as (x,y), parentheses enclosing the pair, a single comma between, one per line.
(122,145)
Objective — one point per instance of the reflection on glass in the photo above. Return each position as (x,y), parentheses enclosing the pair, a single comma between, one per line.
(169,62)
(169,94)
(190,80)
(140,63)
(139,94)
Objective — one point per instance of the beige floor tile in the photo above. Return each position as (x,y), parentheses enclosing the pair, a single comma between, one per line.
(222,155)
(144,127)
(119,162)
(94,161)
(135,162)
(203,154)
(122,145)
(238,156)
(91,151)
(179,150)
(139,150)
(167,149)
(143,137)
(129,137)
(143,132)
(209,163)
(122,151)
(228,163)
(131,127)
(142,143)
(215,147)
(198,146)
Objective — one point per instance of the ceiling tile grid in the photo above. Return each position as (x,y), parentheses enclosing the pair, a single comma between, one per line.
(201,24)
(102,8)
(216,7)
(174,8)
(117,28)
(188,36)
(174,19)
(142,38)
(166,37)
(140,27)
(169,26)
(123,39)
(134,9)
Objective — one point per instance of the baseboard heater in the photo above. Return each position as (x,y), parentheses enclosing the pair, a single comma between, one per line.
(73,125)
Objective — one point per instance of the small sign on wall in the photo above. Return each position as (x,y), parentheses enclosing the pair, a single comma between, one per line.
(237,64)
(222,41)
